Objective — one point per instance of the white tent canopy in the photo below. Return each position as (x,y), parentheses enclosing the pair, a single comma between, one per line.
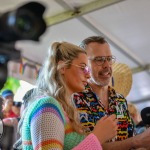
(125,24)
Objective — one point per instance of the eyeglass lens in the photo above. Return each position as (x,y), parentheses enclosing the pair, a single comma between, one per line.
(102,60)
(86,69)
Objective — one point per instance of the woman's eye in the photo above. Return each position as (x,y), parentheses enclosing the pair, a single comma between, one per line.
(82,67)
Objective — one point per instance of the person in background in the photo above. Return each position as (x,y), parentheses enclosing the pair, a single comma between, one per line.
(8,102)
(51,122)
(138,123)
(16,107)
(99,99)
(26,101)
(8,95)
(10,118)
(11,108)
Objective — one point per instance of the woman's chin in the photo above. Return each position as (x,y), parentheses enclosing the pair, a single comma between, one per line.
(81,89)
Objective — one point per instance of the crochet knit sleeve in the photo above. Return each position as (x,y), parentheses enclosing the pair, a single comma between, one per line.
(46,124)
(89,143)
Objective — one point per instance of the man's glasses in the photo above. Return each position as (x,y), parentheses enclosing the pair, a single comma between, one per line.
(85,69)
(100,60)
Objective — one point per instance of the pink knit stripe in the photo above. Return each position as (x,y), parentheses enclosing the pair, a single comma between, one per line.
(89,143)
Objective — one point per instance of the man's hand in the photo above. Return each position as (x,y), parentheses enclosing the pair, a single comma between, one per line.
(106,128)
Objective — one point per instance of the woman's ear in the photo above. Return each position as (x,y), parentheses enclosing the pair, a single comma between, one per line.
(61,67)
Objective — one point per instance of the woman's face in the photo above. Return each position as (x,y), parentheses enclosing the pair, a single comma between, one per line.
(76,76)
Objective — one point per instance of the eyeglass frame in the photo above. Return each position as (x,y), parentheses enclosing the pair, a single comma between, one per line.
(105,58)
(85,68)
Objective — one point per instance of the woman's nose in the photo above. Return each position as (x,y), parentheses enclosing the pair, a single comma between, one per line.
(88,75)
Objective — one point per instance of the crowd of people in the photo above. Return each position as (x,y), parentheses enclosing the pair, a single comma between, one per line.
(73,105)
(10,115)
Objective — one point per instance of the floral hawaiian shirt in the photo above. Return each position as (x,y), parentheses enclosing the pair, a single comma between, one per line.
(91,110)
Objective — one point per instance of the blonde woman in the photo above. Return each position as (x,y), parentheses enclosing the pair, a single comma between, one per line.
(51,121)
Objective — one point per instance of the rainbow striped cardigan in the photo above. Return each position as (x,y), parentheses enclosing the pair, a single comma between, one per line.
(46,126)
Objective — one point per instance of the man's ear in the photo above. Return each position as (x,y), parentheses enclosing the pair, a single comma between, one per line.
(61,67)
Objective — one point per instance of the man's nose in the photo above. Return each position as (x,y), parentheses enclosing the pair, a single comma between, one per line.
(106,64)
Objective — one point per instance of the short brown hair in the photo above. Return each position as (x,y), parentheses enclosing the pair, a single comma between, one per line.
(98,39)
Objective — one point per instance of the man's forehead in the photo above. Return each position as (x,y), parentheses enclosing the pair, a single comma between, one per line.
(96,45)
(97,49)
